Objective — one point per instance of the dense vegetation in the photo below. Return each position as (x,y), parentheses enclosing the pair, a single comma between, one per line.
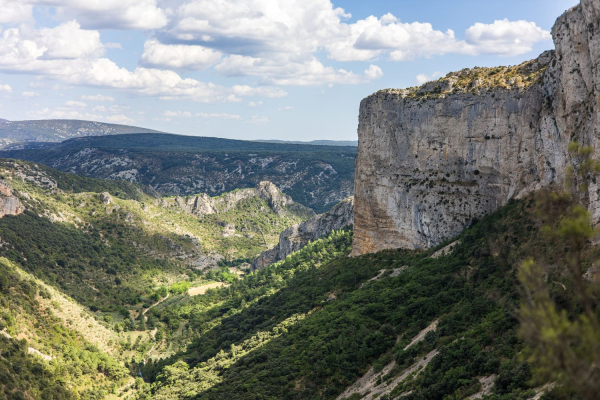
(324,323)
(77,366)
(118,254)
(316,176)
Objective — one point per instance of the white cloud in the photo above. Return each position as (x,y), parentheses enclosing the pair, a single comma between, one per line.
(22,49)
(422,78)
(286,70)
(287,108)
(5,88)
(97,97)
(218,115)
(178,56)
(75,104)
(504,37)
(109,14)
(19,53)
(30,94)
(373,72)
(255,104)
(15,12)
(186,114)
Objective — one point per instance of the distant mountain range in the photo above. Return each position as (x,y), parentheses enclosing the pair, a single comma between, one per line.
(22,134)
(315,176)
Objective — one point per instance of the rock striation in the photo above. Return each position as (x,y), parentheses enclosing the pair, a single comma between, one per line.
(297,236)
(432,159)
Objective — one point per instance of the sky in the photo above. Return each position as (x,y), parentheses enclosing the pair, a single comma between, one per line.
(248,69)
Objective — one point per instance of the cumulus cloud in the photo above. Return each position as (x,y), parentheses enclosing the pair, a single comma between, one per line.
(15,12)
(178,56)
(5,88)
(40,52)
(504,37)
(22,49)
(109,14)
(255,104)
(97,97)
(287,108)
(30,94)
(288,70)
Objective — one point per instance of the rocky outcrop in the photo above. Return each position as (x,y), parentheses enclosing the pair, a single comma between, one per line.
(297,236)
(432,159)
(9,203)
(203,204)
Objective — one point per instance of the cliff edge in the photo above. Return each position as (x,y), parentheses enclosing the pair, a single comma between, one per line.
(297,236)
(433,158)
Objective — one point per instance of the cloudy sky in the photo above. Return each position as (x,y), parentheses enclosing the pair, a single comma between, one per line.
(247,69)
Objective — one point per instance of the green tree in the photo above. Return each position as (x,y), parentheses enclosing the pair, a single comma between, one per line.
(565,342)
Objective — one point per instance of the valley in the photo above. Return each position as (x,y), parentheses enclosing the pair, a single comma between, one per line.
(450,254)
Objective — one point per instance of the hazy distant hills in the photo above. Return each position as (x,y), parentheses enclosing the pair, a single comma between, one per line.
(315,176)
(19,134)
(316,142)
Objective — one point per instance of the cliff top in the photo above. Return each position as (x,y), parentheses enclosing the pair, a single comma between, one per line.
(477,79)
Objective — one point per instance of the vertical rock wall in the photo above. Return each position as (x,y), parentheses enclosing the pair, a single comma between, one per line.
(431,160)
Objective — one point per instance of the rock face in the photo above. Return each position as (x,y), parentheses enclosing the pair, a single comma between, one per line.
(297,236)
(203,204)
(9,203)
(432,159)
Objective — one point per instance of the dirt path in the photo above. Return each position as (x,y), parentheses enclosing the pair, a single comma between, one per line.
(195,291)
(153,305)
(30,350)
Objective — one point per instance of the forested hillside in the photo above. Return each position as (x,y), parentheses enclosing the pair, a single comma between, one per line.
(315,176)
(424,325)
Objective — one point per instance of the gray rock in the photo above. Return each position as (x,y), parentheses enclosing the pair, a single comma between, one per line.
(106,198)
(427,167)
(297,236)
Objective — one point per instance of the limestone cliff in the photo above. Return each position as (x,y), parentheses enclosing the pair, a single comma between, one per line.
(431,159)
(9,203)
(203,204)
(297,236)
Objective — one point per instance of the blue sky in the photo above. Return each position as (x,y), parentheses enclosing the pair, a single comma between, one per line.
(247,69)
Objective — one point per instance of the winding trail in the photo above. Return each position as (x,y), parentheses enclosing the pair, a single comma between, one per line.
(153,332)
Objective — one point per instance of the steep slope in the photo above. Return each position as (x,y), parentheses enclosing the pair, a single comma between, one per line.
(46,355)
(432,159)
(312,325)
(109,245)
(316,176)
(17,134)
(297,236)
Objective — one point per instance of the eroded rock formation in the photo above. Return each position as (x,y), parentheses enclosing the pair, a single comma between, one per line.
(297,236)
(432,159)
(9,203)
